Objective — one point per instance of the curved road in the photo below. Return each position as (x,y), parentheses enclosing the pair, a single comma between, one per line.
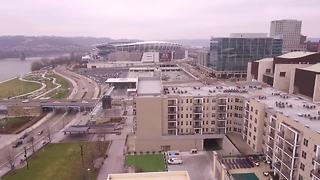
(85,88)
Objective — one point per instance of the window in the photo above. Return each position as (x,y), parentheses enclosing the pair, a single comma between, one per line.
(282,74)
(305,142)
(304,154)
(268,71)
(302,166)
(187,100)
(255,129)
(212,122)
(254,137)
(315,148)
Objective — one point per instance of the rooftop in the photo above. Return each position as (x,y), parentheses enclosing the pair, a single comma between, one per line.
(149,86)
(297,54)
(297,108)
(265,60)
(171,175)
(314,68)
(121,80)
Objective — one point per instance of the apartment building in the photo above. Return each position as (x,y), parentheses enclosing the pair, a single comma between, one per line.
(286,129)
(290,31)
(289,72)
(283,126)
(183,118)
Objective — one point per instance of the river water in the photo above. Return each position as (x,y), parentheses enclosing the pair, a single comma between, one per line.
(10,68)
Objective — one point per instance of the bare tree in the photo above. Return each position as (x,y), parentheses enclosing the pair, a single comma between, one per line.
(31,141)
(10,157)
(48,133)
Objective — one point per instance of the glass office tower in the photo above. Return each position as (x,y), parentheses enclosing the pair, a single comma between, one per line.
(233,54)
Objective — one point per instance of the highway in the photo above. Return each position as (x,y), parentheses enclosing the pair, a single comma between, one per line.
(85,88)
(53,125)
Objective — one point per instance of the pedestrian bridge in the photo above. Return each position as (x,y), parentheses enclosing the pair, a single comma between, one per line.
(50,104)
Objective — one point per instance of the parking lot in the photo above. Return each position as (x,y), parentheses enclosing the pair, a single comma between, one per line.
(100,75)
(199,166)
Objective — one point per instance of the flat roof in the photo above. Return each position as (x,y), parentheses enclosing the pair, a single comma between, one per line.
(297,108)
(121,80)
(149,86)
(314,68)
(170,175)
(265,60)
(297,54)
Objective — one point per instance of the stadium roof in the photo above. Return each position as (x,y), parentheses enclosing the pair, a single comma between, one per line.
(296,54)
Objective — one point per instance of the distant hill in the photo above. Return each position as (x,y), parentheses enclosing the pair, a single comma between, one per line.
(13,46)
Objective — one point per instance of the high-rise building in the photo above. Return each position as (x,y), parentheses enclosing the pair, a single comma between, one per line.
(290,31)
(230,55)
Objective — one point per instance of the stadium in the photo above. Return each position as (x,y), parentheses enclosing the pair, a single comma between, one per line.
(145,51)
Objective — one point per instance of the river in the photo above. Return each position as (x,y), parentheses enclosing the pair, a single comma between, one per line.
(13,67)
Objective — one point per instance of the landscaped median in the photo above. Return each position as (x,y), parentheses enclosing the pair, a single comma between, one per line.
(146,163)
(16,87)
(63,161)
(63,91)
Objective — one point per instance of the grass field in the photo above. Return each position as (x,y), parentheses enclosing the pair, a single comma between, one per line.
(146,163)
(16,87)
(9,125)
(60,162)
(63,91)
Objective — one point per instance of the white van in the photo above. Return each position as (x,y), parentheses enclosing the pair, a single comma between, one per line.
(174,161)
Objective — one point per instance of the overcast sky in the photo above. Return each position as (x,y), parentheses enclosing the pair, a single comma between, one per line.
(153,19)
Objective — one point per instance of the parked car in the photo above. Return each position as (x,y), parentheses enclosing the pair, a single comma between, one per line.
(17,144)
(44,142)
(174,161)
(40,132)
(266,173)
(24,136)
(193,151)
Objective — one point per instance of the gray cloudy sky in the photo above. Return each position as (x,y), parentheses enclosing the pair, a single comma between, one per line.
(153,19)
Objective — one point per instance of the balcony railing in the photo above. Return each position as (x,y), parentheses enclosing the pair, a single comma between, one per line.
(172,126)
(281,134)
(221,118)
(222,102)
(221,125)
(172,111)
(316,173)
(172,103)
(278,155)
(197,110)
(270,143)
(316,160)
(197,125)
(277,165)
(221,110)
(172,119)
(286,174)
(272,124)
(196,102)
(195,118)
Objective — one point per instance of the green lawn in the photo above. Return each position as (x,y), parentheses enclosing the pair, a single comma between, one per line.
(60,162)
(147,163)
(16,87)
(9,125)
(63,91)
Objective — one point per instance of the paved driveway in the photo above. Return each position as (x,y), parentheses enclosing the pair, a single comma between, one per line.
(199,166)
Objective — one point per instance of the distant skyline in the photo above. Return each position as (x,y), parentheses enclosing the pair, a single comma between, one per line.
(153,19)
